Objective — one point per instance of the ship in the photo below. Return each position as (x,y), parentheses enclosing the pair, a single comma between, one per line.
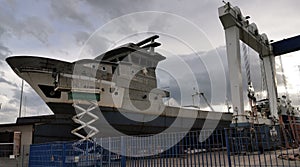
(122,84)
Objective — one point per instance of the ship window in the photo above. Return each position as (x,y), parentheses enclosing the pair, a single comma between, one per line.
(113,68)
(149,63)
(135,59)
(83,96)
(123,58)
(9,143)
(49,91)
(103,68)
(143,61)
(111,90)
(6,146)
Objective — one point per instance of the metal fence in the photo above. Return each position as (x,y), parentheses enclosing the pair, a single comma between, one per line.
(260,146)
(226,147)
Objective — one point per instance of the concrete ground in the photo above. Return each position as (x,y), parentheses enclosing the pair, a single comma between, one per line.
(214,158)
(220,158)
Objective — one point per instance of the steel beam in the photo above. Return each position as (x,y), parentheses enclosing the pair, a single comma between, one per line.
(286,46)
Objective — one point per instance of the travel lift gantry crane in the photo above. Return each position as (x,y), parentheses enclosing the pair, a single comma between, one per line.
(237,28)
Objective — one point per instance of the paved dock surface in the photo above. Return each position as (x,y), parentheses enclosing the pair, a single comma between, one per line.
(220,158)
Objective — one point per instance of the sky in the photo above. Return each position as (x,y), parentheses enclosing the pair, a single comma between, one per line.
(191,34)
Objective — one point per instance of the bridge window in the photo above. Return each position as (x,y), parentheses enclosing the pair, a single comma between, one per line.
(143,61)
(135,59)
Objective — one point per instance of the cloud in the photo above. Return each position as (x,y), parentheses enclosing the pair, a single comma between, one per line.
(63,26)
(37,28)
(14,25)
(32,102)
(4,52)
(3,80)
(96,45)
(8,111)
(8,116)
(70,10)
(196,68)
(81,37)
(203,72)
(113,9)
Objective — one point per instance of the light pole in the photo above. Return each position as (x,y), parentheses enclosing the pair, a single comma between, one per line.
(21,99)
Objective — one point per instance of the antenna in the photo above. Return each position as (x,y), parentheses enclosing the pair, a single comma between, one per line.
(193,96)
(227,105)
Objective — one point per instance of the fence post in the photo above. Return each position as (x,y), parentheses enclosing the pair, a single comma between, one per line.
(123,152)
(101,151)
(109,151)
(64,155)
(30,156)
(22,154)
(228,147)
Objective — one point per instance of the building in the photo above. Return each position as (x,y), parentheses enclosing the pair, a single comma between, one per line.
(15,138)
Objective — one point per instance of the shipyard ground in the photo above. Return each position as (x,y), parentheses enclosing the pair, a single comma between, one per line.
(219,158)
(215,158)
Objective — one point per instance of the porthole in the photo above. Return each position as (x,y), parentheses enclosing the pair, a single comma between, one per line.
(52,93)
(111,90)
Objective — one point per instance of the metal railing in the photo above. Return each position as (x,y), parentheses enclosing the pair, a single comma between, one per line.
(226,147)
